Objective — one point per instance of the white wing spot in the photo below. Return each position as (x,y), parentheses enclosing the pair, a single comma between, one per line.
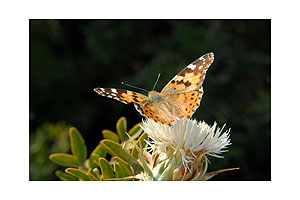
(192,66)
(113,90)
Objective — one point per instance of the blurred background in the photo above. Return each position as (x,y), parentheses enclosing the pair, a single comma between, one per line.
(68,58)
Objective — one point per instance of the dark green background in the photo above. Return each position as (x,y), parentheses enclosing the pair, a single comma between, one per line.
(68,58)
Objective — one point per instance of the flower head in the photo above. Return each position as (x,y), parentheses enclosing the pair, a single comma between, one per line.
(187,137)
(183,146)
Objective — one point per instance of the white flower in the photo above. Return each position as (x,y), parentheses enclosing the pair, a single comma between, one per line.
(186,140)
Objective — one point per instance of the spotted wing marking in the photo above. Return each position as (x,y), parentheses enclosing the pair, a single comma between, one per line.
(153,113)
(189,102)
(191,77)
(124,96)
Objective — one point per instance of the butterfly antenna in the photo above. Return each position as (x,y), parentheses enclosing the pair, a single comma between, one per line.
(123,83)
(156,81)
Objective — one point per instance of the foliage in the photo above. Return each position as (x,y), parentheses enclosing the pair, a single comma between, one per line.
(114,158)
(49,137)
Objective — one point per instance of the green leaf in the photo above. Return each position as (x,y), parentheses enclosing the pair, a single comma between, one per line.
(128,145)
(135,131)
(64,176)
(98,152)
(64,159)
(106,168)
(77,145)
(116,149)
(119,160)
(121,171)
(94,160)
(108,134)
(122,128)
(79,173)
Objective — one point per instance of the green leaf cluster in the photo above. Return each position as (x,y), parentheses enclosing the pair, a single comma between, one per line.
(114,158)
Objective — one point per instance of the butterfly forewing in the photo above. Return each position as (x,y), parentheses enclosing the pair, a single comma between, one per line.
(191,77)
(124,96)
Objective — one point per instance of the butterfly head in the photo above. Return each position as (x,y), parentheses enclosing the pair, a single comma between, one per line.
(155,96)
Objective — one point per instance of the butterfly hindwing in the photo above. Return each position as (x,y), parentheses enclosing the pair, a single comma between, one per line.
(188,102)
(191,77)
(124,96)
(155,113)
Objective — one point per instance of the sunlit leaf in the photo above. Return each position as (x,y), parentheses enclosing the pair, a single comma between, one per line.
(64,176)
(121,171)
(78,147)
(98,152)
(79,173)
(121,127)
(63,159)
(116,149)
(108,134)
(106,168)
(125,164)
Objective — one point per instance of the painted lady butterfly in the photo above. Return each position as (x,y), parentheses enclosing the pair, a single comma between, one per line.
(178,99)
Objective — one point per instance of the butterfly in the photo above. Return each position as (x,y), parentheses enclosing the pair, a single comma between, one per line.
(179,99)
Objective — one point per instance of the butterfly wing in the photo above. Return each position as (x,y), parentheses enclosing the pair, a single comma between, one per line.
(146,108)
(183,106)
(191,77)
(188,102)
(156,112)
(124,96)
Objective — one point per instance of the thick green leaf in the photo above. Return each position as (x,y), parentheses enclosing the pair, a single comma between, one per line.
(121,171)
(119,160)
(64,159)
(79,173)
(118,170)
(128,145)
(135,131)
(77,145)
(142,139)
(98,152)
(122,128)
(64,176)
(108,134)
(116,149)
(106,168)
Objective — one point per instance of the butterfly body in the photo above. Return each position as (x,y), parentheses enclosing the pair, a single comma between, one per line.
(179,99)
